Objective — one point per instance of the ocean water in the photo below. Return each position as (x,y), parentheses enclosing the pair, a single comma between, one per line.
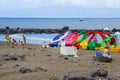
(73,23)
(44,38)
(31,38)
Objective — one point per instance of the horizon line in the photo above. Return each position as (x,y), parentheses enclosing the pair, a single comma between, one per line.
(61,17)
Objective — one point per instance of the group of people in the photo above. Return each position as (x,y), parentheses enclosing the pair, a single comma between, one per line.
(103,57)
(14,42)
(105,51)
(104,54)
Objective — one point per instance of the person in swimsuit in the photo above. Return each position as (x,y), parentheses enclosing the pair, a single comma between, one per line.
(7,39)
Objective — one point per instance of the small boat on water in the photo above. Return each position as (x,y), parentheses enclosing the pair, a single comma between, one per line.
(81,19)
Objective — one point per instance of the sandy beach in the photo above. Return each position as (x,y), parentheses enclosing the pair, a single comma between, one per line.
(46,63)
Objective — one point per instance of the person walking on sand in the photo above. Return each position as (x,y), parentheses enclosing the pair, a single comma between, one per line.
(24,40)
(7,39)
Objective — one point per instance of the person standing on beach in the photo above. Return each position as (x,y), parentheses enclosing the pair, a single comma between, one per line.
(24,40)
(7,39)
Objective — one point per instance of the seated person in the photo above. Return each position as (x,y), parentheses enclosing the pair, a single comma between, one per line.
(106,52)
(19,43)
(13,43)
(62,42)
(98,53)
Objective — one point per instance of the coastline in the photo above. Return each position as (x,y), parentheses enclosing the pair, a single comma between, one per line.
(48,63)
(8,30)
(41,36)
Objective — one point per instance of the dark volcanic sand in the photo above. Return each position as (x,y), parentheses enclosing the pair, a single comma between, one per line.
(47,63)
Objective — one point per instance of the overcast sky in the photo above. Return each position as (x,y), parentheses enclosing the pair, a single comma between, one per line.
(60,8)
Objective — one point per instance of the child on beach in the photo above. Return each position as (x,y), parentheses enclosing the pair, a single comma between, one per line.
(7,39)
(22,44)
(13,43)
(19,43)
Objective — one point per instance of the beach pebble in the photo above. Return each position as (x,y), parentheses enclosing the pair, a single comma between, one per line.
(72,76)
(56,78)
(1,64)
(29,48)
(40,69)
(13,57)
(79,78)
(61,55)
(16,65)
(105,59)
(22,57)
(111,77)
(48,55)
(66,58)
(90,74)
(99,73)
(25,70)
(5,55)
(33,54)
(102,73)
(6,58)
